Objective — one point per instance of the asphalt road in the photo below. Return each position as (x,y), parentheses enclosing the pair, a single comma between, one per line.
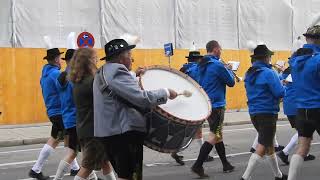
(15,162)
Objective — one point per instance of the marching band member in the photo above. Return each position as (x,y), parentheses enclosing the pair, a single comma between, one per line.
(305,72)
(191,69)
(214,77)
(264,91)
(50,73)
(290,109)
(119,105)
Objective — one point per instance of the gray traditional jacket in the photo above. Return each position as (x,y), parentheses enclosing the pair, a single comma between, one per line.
(112,84)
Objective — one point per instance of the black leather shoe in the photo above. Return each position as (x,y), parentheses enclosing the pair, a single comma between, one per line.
(309,158)
(279,148)
(74,172)
(284,158)
(179,159)
(228,168)
(38,176)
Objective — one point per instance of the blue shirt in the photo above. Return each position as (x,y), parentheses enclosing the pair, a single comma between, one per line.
(289,103)
(213,77)
(263,88)
(49,89)
(191,69)
(67,104)
(306,78)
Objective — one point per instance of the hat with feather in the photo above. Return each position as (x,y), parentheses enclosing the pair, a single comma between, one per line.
(51,51)
(71,45)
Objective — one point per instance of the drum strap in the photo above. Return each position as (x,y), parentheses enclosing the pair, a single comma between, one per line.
(105,90)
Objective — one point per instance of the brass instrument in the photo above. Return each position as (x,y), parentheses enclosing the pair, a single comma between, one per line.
(238,79)
(277,67)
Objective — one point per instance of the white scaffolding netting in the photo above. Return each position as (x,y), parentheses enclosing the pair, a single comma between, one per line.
(232,22)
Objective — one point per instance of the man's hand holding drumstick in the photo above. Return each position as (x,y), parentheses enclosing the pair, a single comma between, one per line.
(172,93)
(140,71)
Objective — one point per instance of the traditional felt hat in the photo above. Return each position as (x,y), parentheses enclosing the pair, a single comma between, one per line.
(115,47)
(261,51)
(194,55)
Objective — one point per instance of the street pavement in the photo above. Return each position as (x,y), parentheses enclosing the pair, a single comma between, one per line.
(16,161)
(15,135)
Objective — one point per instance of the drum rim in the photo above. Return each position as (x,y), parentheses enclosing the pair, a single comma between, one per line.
(169,115)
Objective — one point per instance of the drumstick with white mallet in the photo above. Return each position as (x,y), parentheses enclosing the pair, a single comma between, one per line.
(185,93)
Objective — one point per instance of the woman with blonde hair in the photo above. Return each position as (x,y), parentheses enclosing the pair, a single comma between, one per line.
(83,69)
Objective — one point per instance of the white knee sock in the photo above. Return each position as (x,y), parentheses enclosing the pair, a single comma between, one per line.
(63,168)
(254,159)
(78,178)
(74,165)
(255,142)
(110,176)
(275,141)
(295,166)
(200,141)
(93,176)
(291,145)
(43,156)
(273,162)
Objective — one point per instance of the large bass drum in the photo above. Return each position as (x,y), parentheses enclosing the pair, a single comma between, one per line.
(172,126)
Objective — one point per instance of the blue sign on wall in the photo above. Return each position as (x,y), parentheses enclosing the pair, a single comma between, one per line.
(168,49)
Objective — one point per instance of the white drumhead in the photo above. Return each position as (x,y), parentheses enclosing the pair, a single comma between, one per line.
(194,108)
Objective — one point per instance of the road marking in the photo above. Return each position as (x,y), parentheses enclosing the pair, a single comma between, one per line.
(49,176)
(17,163)
(26,150)
(215,157)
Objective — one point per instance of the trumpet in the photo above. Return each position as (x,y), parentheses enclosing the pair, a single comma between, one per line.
(238,79)
(277,67)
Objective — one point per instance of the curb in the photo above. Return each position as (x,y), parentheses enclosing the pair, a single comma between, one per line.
(24,125)
(23,142)
(43,140)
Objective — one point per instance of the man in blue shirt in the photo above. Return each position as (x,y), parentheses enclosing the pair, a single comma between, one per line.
(305,71)
(264,91)
(290,109)
(214,76)
(50,73)
(68,109)
(191,69)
